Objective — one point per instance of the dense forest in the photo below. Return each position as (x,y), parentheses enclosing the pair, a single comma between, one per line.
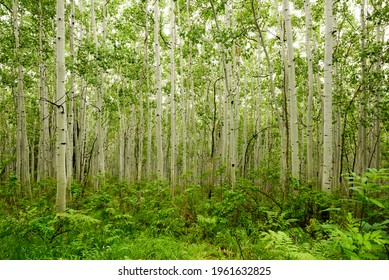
(194,129)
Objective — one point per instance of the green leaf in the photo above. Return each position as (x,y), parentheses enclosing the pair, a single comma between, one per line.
(376,202)
(358,190)
(331,209)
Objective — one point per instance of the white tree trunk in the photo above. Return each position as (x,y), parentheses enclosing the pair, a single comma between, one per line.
(362,132)
(327,100)
(292,92)
(258,149)
(308,26)
(149,109)
(80,119)
(70,117)
(60,100)
(173,144)
(184,108)
(44,151)
(22,147)
(232,100)
(283,130)
(158,85)
(377,126)
(99,164)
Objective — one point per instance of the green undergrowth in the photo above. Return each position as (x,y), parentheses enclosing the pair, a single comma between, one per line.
(143,221)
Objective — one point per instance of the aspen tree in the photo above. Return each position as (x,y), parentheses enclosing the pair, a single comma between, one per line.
(22,146)
(60,102)
(149,138)
(377,126)
(244,130)
(184,108)
(258,156)
(362,132)
(318,167)
(308,30)
(146,77)
(80,121)
(192,149)
(273,93)
(292,92)
(141,131)
(232,101)
(70,117)
(158,84)
(131,140)
(283,128)
(121,134)
(236,95)
(327,100)
(337,125)
(223,105)
(99,164)
(173,143)
(140,124)
(44,152)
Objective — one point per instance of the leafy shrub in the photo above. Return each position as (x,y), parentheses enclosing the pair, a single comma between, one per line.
(352,243)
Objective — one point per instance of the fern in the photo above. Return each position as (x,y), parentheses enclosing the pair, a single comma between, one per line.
(279,245)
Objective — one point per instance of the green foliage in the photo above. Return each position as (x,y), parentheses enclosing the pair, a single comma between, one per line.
(142,221)
(367,189)
(279,245)
(354,243)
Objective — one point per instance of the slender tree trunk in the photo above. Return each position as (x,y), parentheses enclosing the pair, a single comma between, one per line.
(244,130)
(362,134)
(44,152)
(22,147)
(141,122)
(121,135)
(60,100)
(337,126)
(131,159)
(173,144)
(70,117)
(308,24)
(149,109)
(99,164)
(158,81)
(318,157)
(80,135)
(232,100)
(327,100)
(141,132)
(183,97)
(292,92)
(258,158)
(282,121)
(377,126)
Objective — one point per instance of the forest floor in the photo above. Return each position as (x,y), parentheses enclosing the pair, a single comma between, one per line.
(143,221)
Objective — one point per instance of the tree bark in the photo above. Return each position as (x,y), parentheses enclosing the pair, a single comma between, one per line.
(309,136)
(327,100)
(362,132)
(70,116)
(173,144)
(292,92)
(44,151)
(158,82)
(99,164)
(22,146)
(60,102)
